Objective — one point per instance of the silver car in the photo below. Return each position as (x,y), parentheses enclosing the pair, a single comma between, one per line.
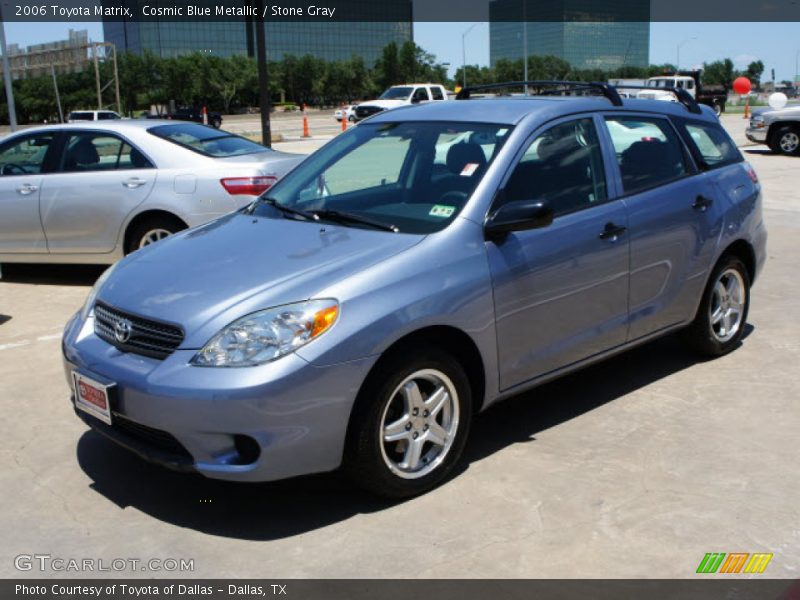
(93,192)
(779,129)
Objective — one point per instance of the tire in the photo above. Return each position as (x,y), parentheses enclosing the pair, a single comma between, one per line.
(718,108)
(151,230)
(402,467)
(351,118)
(712,333)
(786,140)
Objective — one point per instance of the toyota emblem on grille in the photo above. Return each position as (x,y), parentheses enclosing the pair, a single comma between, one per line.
(122,330)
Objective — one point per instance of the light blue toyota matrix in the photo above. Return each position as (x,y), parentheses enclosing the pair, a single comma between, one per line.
(413,271)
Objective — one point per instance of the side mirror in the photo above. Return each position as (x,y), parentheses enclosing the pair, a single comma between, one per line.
(518,216)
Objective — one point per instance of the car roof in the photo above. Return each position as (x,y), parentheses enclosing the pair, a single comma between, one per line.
(120,125)
(510,110)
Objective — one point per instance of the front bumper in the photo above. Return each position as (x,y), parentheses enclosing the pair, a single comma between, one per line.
(291,414)
(758,135)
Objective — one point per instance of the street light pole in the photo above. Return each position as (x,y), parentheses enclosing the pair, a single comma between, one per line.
(12,109)
(464,53)
(678,65)
(525,43)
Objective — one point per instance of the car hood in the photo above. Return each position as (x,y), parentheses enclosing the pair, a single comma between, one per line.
(204,278)
(384,103)
(785,111)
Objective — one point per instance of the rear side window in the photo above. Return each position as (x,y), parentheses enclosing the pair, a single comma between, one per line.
(206,140)
(107,116)
(437,93)
(648,151)
(81,116)
(708,141)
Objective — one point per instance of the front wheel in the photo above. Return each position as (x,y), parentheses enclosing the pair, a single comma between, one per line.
(720,322)
(409,424)
(786,140)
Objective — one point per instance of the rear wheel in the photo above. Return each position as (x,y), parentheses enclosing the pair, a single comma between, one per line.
(720,322)
(410,423)
(786,140)
(152,230)
(717,107)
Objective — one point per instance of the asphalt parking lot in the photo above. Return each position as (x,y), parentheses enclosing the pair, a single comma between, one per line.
(636,467)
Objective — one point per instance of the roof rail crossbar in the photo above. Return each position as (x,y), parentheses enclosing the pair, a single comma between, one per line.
(681,94)
(609,91)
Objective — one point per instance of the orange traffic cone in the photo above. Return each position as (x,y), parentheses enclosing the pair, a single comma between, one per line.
(306,132)
(344,120)
(205,115)
(747,108)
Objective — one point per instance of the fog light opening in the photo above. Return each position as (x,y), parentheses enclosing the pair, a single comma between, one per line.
(247,449)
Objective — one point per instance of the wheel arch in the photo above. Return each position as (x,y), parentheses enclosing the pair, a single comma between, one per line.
(743,250)
(145,215)
(458,343)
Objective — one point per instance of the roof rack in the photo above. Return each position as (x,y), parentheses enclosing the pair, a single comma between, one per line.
(564,87)
(605,89)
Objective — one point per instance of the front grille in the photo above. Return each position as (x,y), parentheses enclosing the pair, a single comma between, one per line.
(153,438)
(148,338)
(362,112)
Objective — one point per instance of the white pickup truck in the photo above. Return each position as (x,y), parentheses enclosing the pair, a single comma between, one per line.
(713,96)
(401,95)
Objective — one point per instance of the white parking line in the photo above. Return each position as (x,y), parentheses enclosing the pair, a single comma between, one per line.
(20,343)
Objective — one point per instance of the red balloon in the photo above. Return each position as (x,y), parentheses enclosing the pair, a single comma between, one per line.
(742,86)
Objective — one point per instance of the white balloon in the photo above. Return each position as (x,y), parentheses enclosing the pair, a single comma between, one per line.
(778,100)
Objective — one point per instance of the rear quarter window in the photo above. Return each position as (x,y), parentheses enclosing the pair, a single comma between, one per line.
(710,144)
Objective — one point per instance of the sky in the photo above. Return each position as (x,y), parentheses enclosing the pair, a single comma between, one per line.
(776,44)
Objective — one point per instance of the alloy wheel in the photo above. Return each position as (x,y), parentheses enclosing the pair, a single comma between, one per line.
(727,305)
(419,424)
(153,236)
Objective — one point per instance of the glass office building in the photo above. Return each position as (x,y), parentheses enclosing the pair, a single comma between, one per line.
(330,40)
(589,34)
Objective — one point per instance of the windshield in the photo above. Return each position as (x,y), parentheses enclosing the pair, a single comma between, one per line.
(661,83)
(415,176)
(396,93)
(207,141)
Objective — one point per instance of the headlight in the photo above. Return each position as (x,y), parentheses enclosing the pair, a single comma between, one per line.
(268,334)
(89,304)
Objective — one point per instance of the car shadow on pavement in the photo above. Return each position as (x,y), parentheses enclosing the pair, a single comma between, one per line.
(52,274)
(269,511)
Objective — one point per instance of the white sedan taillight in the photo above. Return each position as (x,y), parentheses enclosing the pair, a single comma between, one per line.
(248,186)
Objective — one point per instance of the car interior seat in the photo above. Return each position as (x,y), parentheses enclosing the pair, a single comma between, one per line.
(648,162)
(83,155)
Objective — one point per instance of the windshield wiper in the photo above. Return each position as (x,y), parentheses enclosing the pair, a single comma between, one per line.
(337,215)
(284,209)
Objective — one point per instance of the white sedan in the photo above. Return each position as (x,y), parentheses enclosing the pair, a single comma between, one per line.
(93,192)
(346,112)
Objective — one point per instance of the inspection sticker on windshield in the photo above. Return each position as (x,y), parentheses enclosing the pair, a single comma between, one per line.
(469,169)
(440,210)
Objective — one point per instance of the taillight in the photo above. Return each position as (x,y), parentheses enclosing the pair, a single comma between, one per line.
(751,172)
(248,186)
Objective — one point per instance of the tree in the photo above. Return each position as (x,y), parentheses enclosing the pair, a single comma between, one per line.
(719,72)
(388,67)
(754,71)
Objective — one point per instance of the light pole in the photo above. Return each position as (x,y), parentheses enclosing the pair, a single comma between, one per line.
(679,51)
(796,71)
(12,109)
(464,53)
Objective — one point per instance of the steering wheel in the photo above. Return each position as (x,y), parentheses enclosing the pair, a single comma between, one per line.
(454,197)
(13,169)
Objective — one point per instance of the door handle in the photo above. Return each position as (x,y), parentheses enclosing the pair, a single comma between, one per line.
(27,188)
(701,203)
(133,183)
(611,232)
